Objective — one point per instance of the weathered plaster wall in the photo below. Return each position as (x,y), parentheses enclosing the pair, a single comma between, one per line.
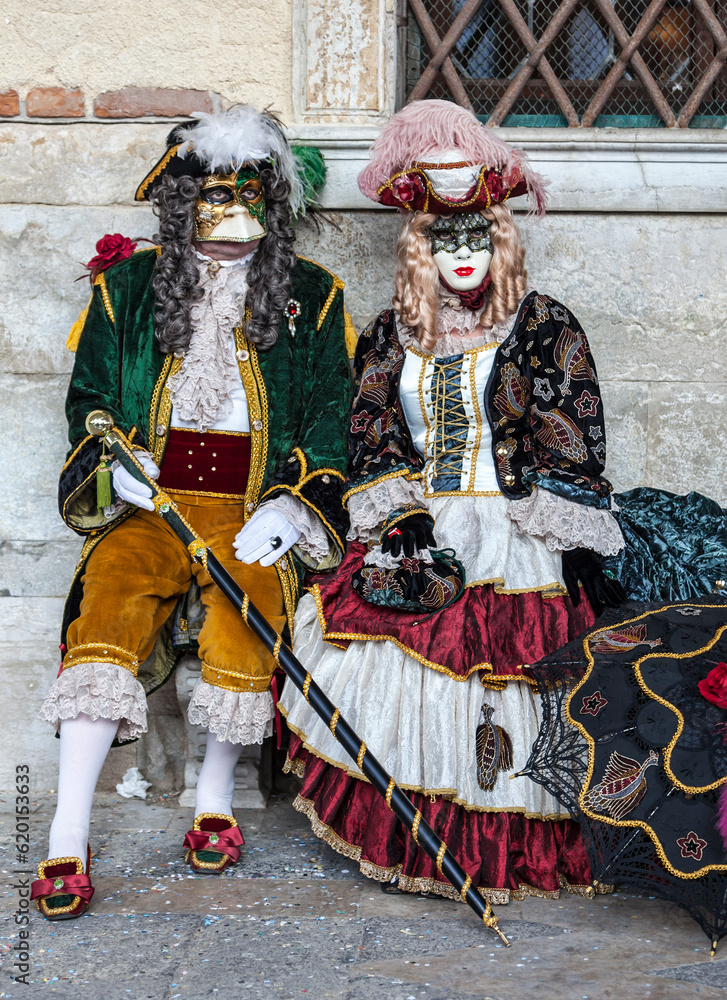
(239,49)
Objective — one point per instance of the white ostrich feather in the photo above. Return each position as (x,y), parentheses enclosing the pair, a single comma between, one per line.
(242,135)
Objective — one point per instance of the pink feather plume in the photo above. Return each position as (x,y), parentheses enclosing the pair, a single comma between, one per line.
(425,128)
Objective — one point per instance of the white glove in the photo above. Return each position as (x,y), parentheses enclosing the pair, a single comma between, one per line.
(131,490)
(265,537)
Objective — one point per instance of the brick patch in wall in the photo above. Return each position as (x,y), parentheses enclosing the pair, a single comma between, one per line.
(55,102)
(136,102)
(9,104)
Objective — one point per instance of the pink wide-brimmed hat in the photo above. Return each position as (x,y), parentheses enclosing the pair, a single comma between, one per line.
(434,156)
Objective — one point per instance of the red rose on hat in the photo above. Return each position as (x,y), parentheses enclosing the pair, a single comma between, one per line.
(110,249)
(407,186)
(714,686)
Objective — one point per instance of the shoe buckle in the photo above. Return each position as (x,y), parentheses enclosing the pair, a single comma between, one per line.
(58,883)
(213,838)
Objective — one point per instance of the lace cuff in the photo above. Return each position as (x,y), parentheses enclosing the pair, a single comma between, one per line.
(369,507)
(101,691)
(244,717)
(563,524)
(314,541)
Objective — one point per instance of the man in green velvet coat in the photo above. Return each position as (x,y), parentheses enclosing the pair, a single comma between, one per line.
(222,356)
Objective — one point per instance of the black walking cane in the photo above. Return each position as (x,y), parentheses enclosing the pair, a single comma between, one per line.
(101,424)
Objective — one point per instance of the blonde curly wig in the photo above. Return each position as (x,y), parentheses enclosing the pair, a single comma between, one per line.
(417,277)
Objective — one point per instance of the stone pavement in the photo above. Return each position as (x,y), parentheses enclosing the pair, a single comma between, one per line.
(296,920)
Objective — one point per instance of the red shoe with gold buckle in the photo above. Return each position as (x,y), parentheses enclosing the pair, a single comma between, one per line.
(214,843)
(62,890)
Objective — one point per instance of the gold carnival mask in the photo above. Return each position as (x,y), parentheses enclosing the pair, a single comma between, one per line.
(231,207)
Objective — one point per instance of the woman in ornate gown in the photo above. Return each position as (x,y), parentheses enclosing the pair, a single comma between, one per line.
(477,426)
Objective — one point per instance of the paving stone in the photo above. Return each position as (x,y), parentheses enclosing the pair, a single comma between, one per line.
(305,923)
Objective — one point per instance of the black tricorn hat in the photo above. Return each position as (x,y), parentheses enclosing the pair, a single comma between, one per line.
(171,163)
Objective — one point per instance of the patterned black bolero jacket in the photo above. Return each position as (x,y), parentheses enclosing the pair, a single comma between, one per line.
(542,401)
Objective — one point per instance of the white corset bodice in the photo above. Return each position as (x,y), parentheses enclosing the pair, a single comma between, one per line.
(443,403)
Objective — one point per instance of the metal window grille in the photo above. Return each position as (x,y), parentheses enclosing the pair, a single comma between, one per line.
(622,63)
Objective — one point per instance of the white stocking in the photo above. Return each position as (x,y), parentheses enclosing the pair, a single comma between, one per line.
(216,782)
(85,742)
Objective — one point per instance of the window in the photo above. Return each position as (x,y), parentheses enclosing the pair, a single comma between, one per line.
(618,63)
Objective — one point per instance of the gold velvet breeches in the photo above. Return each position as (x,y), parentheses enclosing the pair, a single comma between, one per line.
(136,574)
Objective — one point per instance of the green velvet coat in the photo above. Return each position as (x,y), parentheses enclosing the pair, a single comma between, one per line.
(298,395)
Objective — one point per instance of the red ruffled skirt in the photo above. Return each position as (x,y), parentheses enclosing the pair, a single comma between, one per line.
(508,855)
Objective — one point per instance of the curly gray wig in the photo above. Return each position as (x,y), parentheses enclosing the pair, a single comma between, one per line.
(175,283)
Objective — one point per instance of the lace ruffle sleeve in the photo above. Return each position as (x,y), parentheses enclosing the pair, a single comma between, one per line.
(563,524)
(369,507)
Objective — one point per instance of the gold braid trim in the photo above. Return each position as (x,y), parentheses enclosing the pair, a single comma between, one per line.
(415,826)
(465,888)
(306,686)
(390,792)
(154,173)
(276,649)
(101,282)
(361,755)
(334,722)
(244,609)
(423,885)
(440,855)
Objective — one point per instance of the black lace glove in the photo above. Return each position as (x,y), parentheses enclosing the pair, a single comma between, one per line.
(601,590)
(409,532)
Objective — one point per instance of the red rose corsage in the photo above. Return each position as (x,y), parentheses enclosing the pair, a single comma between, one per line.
(714,686)
(110,249)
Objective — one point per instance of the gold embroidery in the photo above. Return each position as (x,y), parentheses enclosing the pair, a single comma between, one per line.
(239,497)
(154,406)
(591,745)
(257,405)
(78,654)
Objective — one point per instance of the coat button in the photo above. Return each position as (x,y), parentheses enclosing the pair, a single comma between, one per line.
(719,584)
(257,425)
(284,564)
(501,449)
(161,430)
(292,459)
(508,479)
(243,355)
(250,507)
(326,479)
